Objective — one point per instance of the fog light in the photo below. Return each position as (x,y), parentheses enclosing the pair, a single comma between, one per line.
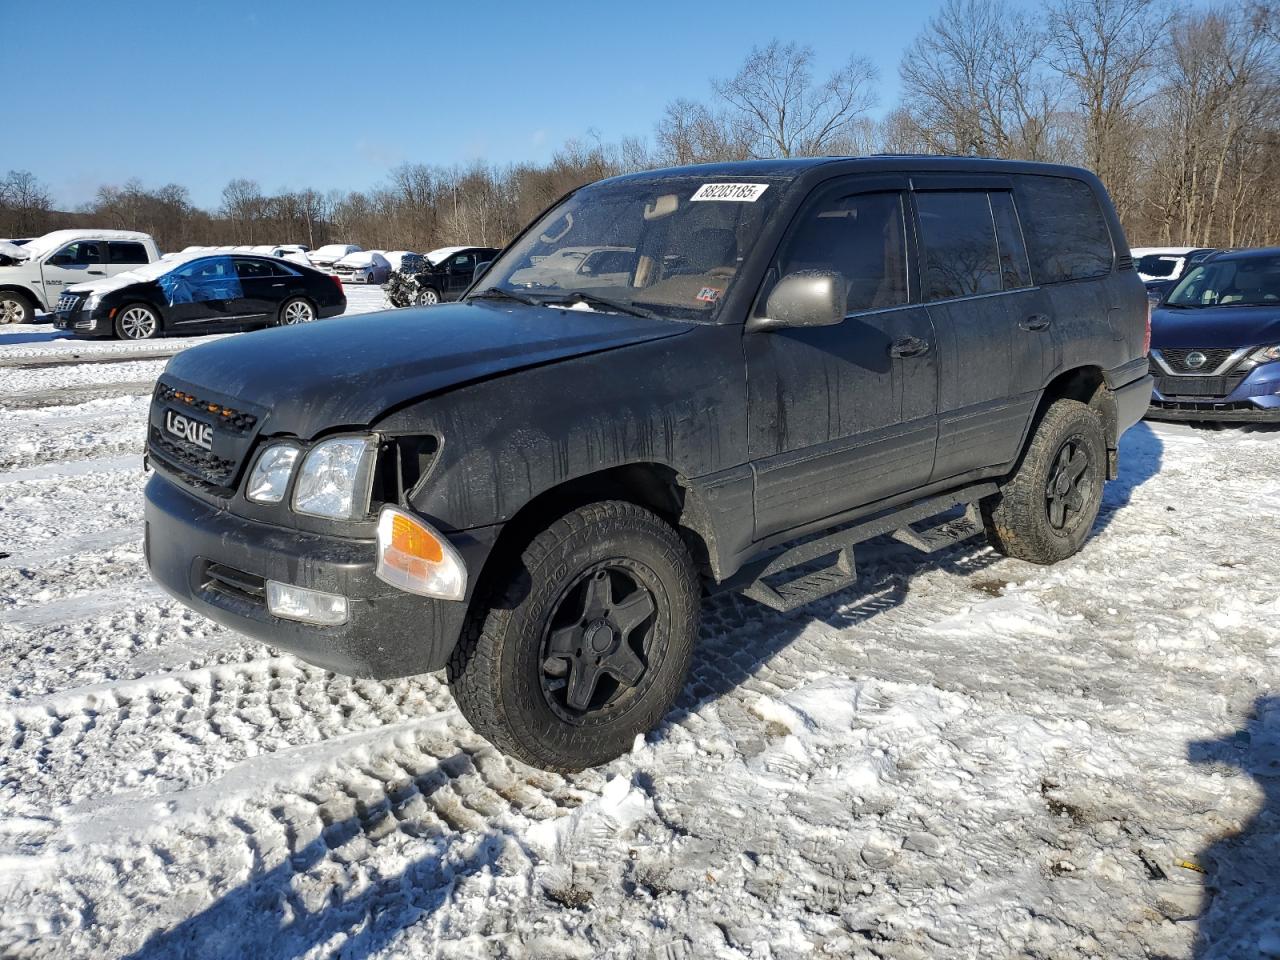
(310,606)
(417,559)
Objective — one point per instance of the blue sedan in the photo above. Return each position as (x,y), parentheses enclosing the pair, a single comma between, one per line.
(1215,341)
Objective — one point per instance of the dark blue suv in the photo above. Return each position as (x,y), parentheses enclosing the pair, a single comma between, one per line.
(1215,341)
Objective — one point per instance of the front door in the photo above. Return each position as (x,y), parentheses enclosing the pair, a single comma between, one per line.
(459,272)
(844,415)
(80,262)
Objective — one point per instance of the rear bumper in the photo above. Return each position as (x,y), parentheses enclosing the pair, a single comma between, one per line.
(1131,403)
(190,544)
(332,310)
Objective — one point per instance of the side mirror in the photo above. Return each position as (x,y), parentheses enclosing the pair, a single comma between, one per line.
(480,268)
(809,298)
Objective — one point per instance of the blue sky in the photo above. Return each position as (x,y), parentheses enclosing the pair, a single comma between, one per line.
(333,95)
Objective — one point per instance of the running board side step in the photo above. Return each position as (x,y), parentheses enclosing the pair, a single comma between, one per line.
(842,572)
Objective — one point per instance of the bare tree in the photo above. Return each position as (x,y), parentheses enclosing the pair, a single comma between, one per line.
(775,109)
(976,82)
(1107,52)
(25,204)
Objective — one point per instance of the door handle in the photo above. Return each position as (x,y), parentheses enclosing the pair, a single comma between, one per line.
(1037,321)
(908,347)
(277,284)
(96,273)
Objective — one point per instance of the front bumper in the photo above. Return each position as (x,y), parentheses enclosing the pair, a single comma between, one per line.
(84,322)
(216,563)
(1253,399)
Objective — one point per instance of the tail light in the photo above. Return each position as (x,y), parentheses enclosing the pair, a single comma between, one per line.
(1146,337)
(338,280)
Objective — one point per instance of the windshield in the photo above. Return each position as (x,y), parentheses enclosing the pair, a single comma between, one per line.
(1251,281)
(672,247)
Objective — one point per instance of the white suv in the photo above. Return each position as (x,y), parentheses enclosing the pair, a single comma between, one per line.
(33,276)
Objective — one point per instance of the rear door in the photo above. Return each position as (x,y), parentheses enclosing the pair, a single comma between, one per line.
(844,415)
(990,320)
(259,287)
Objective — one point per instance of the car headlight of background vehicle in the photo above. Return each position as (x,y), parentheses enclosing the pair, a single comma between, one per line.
(1260,356)
(270,475)
(335,478)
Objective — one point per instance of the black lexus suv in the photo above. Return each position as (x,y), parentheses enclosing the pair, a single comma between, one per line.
(532,488)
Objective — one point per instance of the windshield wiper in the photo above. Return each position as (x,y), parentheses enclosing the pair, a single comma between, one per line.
(592,300)
(498,293)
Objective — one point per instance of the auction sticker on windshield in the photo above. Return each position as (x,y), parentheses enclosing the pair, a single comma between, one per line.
(742,192)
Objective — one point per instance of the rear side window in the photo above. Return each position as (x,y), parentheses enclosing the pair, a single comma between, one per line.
(119,252)
(1014,268)
(862,238)
(960,252)
(1065,230)
(249,269)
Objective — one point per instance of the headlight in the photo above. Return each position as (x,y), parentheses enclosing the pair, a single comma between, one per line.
(270,475)
(335,478)
(93,301)
(1265,354)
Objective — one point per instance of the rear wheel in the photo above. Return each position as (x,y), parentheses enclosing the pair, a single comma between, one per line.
(137,321)
(1045,512)
(586,644)
(295,311)
(16,307)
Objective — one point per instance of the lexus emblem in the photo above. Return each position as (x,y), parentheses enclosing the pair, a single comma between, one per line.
(193,431)
(1195,360)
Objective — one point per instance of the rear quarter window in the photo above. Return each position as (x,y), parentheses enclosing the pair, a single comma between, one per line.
(1065,231)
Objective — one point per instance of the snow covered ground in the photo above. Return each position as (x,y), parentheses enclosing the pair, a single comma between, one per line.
(965,756)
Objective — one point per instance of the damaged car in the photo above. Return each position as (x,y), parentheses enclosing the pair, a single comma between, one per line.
(532,489)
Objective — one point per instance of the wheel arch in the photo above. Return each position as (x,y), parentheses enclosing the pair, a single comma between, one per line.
(26,291)
(1088,385)
(652,485)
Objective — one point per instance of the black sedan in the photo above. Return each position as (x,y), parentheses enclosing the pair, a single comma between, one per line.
(200,293)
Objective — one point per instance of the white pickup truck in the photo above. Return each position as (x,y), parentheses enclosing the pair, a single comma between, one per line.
(33,276)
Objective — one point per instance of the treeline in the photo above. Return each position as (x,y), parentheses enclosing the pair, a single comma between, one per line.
(1176,109)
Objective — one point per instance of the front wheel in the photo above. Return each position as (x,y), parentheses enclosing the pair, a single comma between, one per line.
(1046,510)
(427,297)
(137,322)
(586,644)
(295,311)
(16,307)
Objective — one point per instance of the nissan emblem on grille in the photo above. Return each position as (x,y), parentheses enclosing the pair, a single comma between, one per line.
(193,431)
(1195,360)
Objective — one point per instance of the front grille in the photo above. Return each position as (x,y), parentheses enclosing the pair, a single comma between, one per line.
(228,417)
(1176,359)
(208,471)
(1198,386)
(69,303)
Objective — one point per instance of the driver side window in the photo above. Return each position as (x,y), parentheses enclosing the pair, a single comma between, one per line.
(77,254)
(860,236)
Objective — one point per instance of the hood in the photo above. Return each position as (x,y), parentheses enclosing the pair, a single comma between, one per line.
(13,251)
(348,371)
(1215,326)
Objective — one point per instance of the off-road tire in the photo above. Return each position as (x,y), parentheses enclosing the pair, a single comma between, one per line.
(1018,517)
(22,311)
(495,671)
